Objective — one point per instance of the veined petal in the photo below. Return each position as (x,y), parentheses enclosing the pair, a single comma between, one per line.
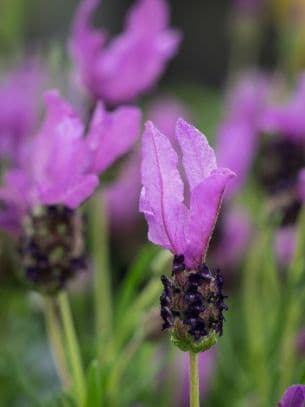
(198,158)
(205,204)
(112,134)
(162,194)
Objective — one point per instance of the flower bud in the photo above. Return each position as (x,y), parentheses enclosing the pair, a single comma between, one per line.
(51,247)
(192,304)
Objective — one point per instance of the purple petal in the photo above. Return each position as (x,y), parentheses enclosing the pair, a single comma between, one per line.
(70,193)
(198,158)
(205,204)
(61,169)
(86,44)
(141,13)
(112,134)
(294,396)
(132,64)
(162,193)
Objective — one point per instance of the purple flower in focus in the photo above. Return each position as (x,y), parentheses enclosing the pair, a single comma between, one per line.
(130,64)
(294,396)
(181,214)
(19,96)
(181,205)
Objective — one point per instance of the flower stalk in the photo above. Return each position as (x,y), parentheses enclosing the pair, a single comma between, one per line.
(101,272)
(194,380)
(73,350)
(56,342)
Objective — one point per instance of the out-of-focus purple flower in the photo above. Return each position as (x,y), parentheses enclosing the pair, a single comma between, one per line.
(294,396)
(206,364)
(235,236)
(173,206)
(244,107)
(55,167)
(19,96)
(287,120)
(131,63)
(59,165)
(284,244)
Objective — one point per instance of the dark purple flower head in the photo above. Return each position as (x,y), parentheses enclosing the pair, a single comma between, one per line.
(294,396)
(19,95)
(181,203)
(131,63)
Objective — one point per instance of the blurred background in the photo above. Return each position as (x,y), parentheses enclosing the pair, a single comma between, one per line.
(224,42)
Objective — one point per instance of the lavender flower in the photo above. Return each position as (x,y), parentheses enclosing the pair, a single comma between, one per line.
(133,62)
(192,301)
(57,173)
(294,396)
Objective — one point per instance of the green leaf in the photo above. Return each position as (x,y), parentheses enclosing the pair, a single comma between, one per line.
(94,385)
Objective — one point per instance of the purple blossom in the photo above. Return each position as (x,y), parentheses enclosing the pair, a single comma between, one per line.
(19,96)
(294,396)
(174,206)
(59,165)
(130,64)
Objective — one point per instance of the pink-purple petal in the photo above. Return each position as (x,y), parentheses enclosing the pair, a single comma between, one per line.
(162,194)
(205,202)
(112,134)
(198,158)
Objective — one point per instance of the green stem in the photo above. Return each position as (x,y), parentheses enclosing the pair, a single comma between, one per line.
(101,272)
(73,349)
(56,342)
(194,380)
(293,308)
